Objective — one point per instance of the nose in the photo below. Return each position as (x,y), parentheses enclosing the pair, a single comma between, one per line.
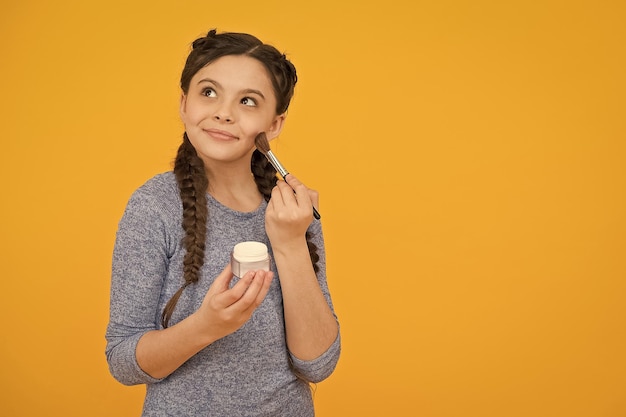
(223,113)
(222,118)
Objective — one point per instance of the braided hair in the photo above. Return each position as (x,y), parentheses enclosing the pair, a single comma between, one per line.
(189,167)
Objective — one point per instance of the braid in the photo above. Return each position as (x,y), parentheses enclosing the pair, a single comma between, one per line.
(265,178)
(192,183)
(264,174)
(312,252)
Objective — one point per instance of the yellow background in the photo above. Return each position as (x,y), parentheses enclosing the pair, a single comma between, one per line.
(470,157)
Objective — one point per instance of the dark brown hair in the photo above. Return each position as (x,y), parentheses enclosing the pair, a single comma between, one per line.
(188,166)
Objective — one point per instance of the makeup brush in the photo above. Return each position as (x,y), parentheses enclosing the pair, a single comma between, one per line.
(263,145)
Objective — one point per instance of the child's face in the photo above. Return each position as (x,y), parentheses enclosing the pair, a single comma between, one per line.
(228,103)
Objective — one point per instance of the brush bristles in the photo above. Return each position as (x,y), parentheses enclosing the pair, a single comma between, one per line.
(261,143)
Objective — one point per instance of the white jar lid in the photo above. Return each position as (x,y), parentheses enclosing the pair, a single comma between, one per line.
(250,251)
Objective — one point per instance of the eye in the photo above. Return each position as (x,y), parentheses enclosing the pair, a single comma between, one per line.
(248,101)
(208,92)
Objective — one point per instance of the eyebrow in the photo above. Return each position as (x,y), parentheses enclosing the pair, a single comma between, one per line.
(245,91)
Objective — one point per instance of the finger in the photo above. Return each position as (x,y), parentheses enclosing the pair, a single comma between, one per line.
(301,191)
(278,193)
(222,282)
(283,197)
(315,198)
(294,182)
(240,297)
(230,296)
(256,293)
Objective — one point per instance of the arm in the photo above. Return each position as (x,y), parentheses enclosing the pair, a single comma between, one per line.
(223,310)
(137,350)
(311,326)
(140,260)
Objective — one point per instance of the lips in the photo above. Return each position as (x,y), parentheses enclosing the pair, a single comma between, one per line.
(220,134)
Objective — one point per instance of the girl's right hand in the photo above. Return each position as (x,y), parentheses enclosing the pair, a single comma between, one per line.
(225,309)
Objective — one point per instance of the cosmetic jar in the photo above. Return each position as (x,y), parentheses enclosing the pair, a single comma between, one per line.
(249,256)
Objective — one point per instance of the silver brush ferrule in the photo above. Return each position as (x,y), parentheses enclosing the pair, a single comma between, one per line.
(281,170)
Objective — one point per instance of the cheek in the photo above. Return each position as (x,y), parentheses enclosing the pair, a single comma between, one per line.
(193,112)
(190,116)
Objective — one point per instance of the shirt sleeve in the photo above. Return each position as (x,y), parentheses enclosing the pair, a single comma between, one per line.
(139,268)
(322,367)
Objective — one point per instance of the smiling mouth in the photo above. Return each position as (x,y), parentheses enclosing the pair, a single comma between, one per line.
(220,134)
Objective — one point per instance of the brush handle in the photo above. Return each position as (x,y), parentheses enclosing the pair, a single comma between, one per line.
(283,173)
(316,214)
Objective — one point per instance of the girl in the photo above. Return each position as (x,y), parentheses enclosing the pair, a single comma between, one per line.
(207,343)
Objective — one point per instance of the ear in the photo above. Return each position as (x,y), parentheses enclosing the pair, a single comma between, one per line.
(183,106)
(276,126)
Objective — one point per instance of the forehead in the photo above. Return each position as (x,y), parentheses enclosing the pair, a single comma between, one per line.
(237,72)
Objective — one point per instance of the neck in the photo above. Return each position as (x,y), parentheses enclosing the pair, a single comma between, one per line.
(234,188)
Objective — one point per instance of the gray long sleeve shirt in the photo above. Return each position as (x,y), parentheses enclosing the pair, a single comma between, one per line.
(247,373)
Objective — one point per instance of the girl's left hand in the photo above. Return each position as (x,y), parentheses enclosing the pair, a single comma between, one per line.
(289,211)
